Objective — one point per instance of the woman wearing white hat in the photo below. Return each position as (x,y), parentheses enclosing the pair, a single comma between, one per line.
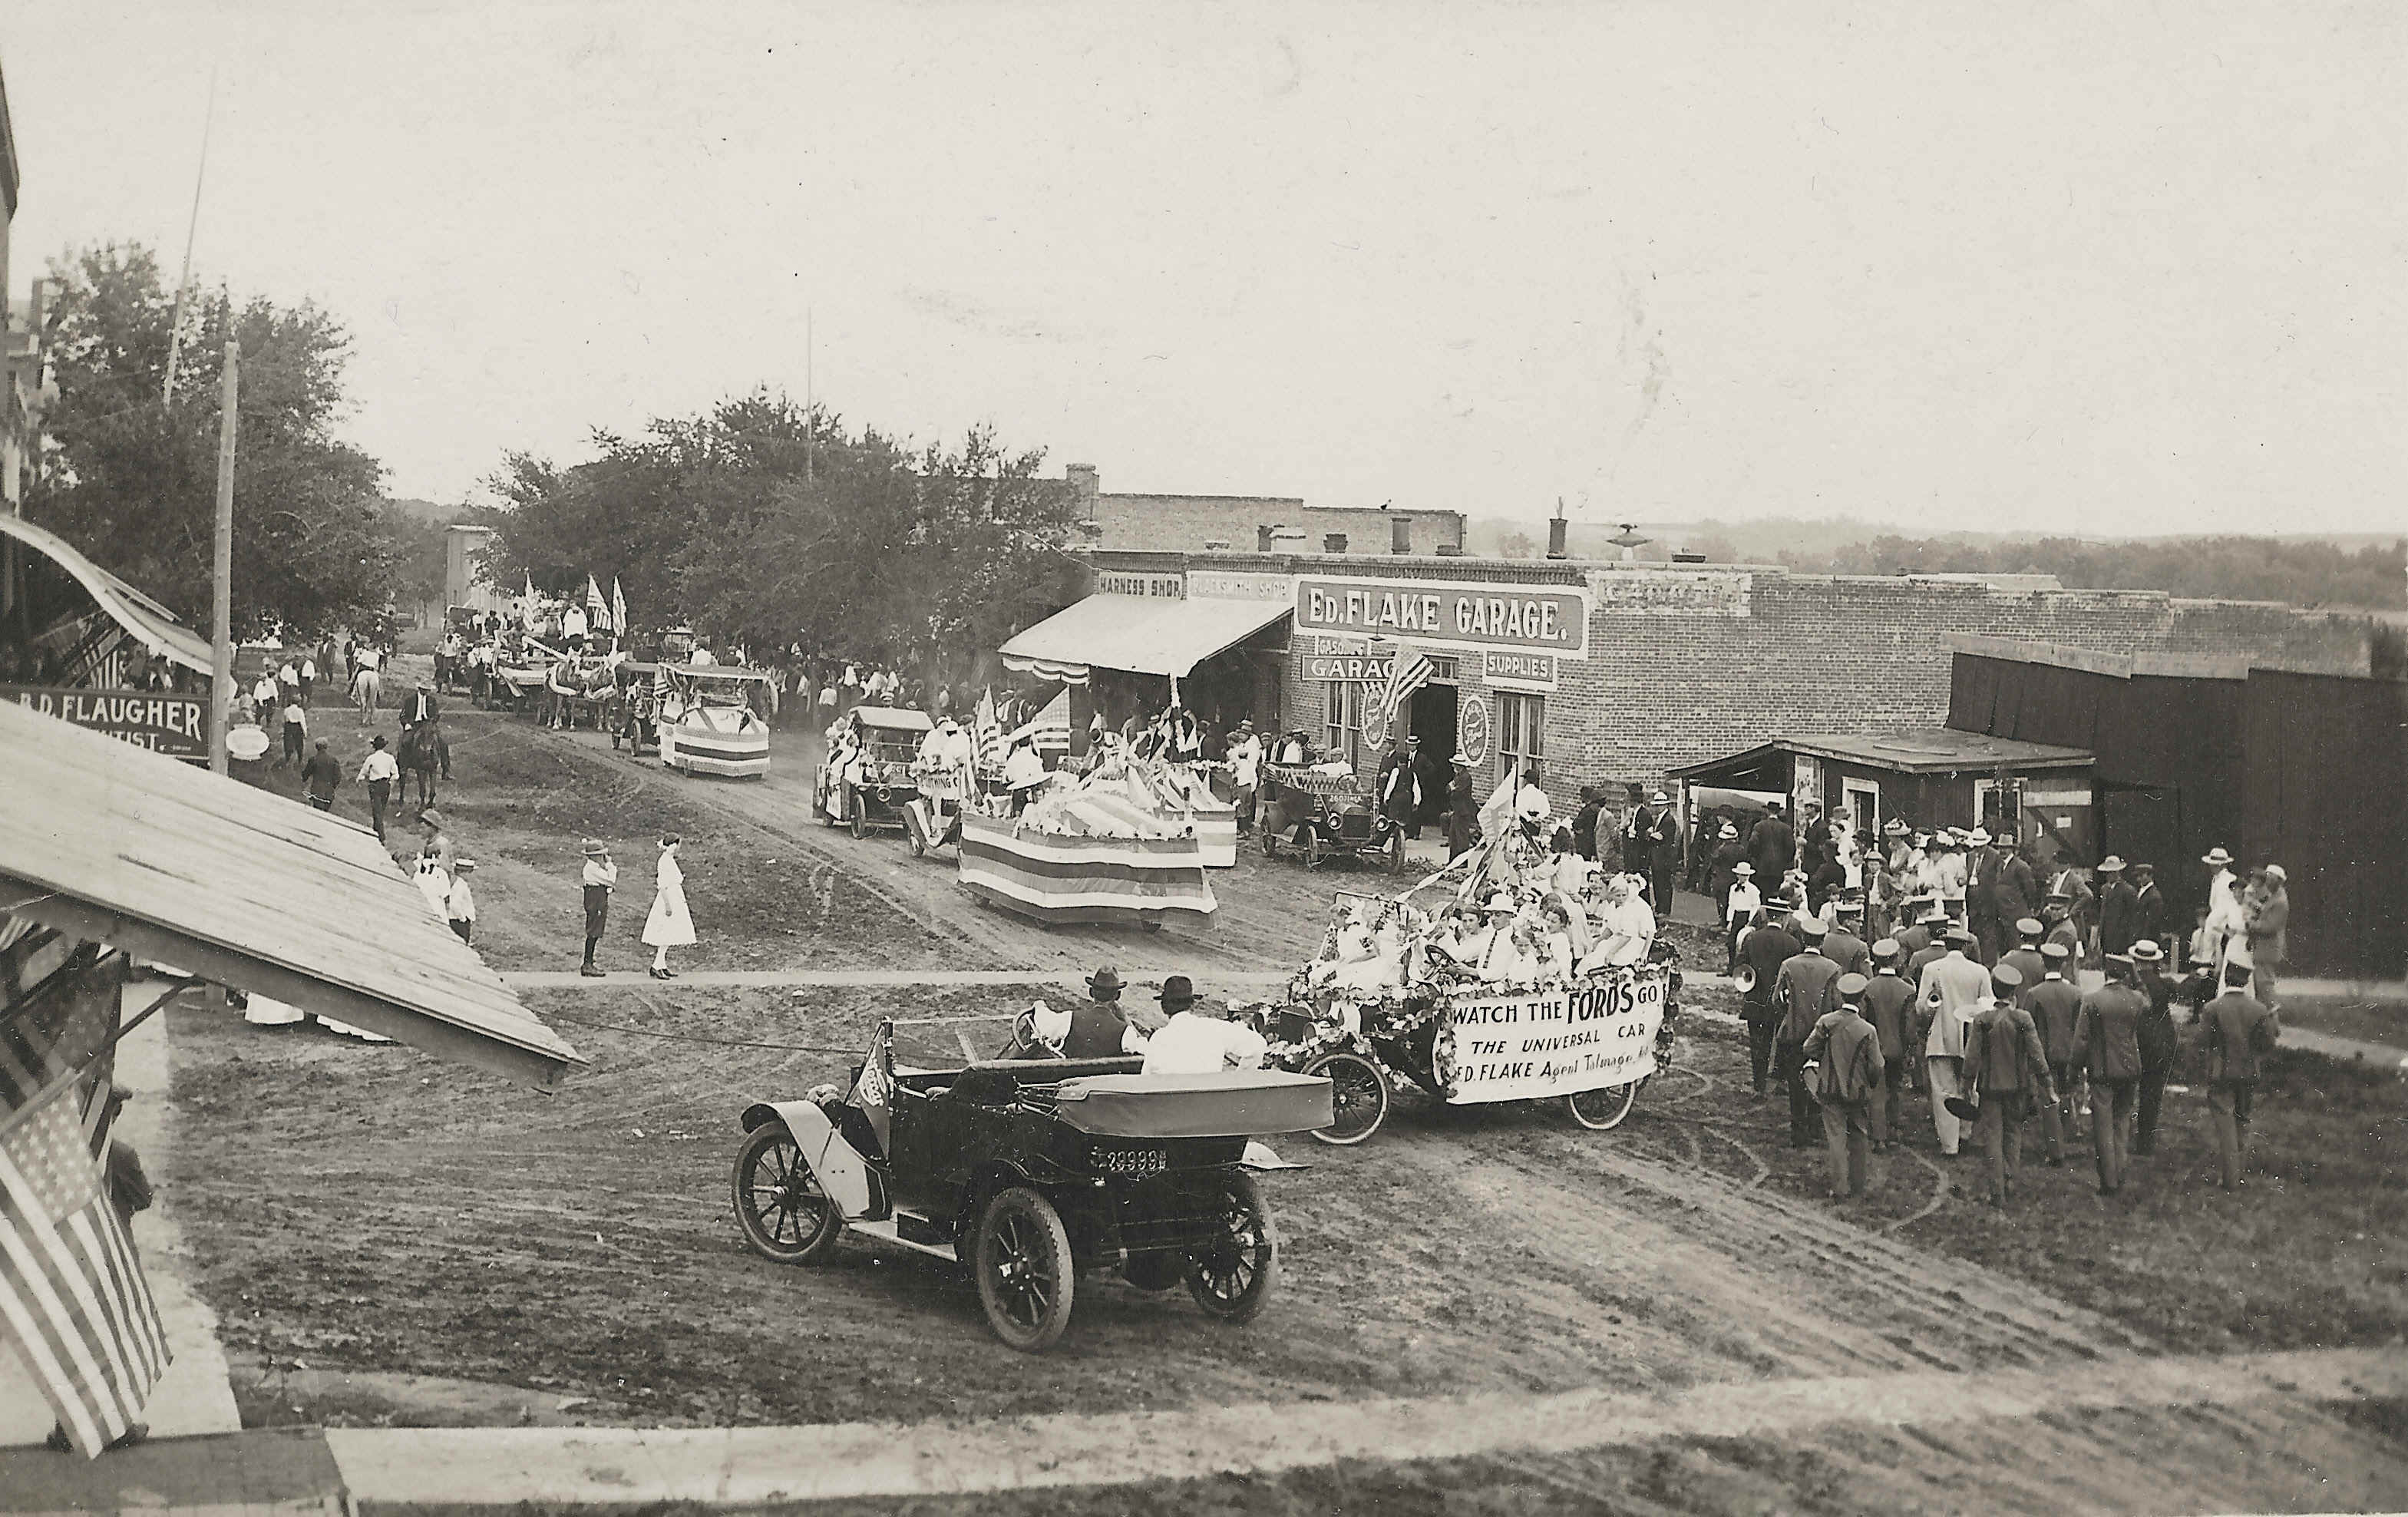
(2226,919)
(670,926)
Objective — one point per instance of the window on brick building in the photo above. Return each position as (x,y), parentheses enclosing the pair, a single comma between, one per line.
(1521,729)
(1341,726)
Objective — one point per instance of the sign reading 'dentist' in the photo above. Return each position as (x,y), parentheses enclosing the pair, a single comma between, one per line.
(1550,618)
(161,720)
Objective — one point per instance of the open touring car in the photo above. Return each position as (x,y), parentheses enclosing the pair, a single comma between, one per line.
(1031,1173)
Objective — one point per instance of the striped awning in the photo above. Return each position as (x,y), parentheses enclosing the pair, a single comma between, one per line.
(1137,635)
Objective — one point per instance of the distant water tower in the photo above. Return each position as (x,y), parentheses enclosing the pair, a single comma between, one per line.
(1630,541)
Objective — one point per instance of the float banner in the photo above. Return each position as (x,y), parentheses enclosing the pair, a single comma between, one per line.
(161,720)
(1521,1048)
(1542,618)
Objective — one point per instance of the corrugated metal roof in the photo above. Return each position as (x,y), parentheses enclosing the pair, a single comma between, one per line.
(150,623)
(107,841)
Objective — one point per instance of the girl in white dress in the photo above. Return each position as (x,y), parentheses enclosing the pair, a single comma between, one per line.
(670,926)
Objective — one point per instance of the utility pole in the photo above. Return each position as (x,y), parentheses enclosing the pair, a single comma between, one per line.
(810,426)
(222,587)
(184,281)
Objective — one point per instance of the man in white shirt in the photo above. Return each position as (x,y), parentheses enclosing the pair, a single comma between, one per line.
(1024,773)
(379,774)
(459,903)
(1196,1040)
(1245,772)
(573,627)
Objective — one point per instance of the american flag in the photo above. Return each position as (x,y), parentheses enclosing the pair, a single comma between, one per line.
(986,732)
(617,606)
(72,1295)
(596,612)
(1411,670)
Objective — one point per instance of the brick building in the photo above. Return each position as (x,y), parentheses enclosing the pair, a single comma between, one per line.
(1208,524)
(1583,670)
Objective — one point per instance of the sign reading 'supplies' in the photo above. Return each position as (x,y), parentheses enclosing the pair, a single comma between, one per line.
(1552,619)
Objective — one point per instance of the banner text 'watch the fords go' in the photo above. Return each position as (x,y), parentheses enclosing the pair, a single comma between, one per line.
(1520,1048)
(164,720)
(1548,619)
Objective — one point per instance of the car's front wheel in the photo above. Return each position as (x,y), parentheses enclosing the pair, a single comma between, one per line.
(780,1204)
(1358,1098)
(1232,1276)
(1026,1275)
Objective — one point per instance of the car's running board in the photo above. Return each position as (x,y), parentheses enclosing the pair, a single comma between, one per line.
(884,1231)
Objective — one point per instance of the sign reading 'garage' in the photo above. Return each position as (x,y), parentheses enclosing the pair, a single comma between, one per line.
(1552,619)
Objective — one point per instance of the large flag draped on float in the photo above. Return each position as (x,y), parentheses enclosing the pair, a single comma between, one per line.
(72,1295)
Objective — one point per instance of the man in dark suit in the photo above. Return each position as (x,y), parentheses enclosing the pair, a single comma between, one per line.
(1585,822)
(1400,789)
(1766,948)
(2153,915)
(2119,909)
(1662,829)
(1803,992)
(1772,847)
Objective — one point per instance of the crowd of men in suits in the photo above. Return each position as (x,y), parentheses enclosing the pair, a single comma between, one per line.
(1985,1018)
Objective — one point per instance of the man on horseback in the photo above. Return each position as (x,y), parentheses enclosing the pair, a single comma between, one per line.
(424,749)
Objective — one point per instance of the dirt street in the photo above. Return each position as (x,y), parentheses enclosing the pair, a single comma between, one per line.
(389,1239)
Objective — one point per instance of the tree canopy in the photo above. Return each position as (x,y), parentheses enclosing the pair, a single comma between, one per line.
(132,480)
(764,521)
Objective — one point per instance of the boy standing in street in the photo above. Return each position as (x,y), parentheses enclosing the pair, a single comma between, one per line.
(459,905)
(378,773)
(601,876)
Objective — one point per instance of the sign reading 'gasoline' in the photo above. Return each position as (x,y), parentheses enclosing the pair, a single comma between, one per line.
(161,720)
(1546,618)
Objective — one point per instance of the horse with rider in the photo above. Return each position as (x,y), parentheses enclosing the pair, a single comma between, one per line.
(423,752)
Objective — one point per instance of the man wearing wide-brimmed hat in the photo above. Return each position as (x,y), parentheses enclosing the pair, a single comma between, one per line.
(1098,1029)
(600,876)
(2119,906)
(1198,1040)
(2225,918)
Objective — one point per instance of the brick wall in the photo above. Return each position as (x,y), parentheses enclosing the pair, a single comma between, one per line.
(1184,523)
(1687,666)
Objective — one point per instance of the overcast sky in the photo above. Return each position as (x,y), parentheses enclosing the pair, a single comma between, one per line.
(2115,268)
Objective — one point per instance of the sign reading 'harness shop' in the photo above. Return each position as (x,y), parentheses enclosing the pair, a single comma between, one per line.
(1549,618)
(161,720)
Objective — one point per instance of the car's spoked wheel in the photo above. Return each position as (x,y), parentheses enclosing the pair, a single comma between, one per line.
(1232,1276)
(784,1213)
(1025,1271)
(1358,1098)
(1602,1110)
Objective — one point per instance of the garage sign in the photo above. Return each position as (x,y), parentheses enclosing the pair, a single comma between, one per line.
(1356,668)
(1542,618)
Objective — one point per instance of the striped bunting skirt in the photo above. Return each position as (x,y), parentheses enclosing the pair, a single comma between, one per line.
(1056,878)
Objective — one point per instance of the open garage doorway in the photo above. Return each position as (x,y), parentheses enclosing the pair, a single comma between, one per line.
(1433,720)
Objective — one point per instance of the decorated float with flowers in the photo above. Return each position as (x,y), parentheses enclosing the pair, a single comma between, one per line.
(1099,848)
(1516,989)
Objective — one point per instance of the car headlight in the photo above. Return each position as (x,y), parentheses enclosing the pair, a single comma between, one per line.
(1335,821)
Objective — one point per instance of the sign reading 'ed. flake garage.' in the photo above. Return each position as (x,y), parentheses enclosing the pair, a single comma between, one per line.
(1547,619)
(161,720)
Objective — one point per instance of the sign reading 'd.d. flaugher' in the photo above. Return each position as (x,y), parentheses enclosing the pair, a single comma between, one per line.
(161,720)
(1549,618)
(1520,1048)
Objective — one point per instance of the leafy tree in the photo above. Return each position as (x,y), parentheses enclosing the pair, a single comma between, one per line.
(765,521)
(2301,571)
(1517,545)
(132,480)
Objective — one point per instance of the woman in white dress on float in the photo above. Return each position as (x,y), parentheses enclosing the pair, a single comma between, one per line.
(670,926)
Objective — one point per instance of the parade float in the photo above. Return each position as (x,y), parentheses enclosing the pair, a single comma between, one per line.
(1396,997)
(708,723)
(1099,848)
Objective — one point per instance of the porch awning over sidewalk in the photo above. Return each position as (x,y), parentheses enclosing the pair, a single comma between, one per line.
(105,841)
(149,623)
(1138,634)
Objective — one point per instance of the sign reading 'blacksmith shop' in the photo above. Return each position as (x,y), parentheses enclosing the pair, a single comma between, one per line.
(161,720)
(1545,619)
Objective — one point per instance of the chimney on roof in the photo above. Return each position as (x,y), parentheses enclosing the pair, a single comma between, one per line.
(1085,484)
(1557,529)
(1333,542)
(1400,533)
(1263,539)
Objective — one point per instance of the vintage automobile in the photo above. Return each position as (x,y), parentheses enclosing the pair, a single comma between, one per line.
(1324,816)
(871,787)
(1031,1172)
(708,723)
(633,708)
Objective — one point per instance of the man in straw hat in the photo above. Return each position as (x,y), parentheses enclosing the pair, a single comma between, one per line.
(1198,1040)
(601,877)
(1763,949)
(2159,1042)
(2119,907)
(1739,904)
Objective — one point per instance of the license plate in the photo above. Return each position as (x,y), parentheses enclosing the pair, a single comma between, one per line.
(1132,1161)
